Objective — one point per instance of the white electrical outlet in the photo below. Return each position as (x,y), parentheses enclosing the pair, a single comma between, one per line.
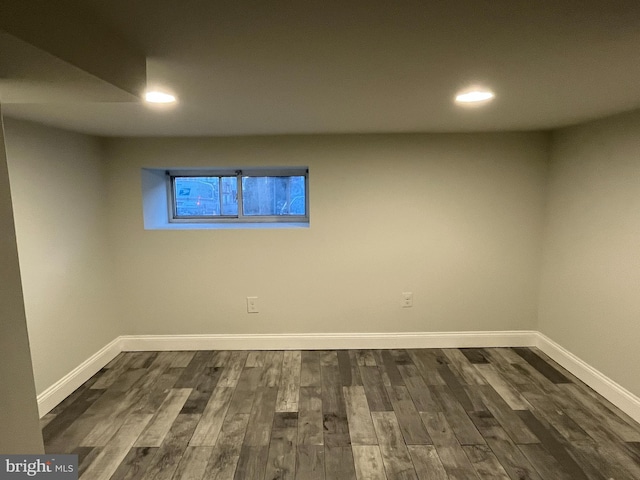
(252,305)
(407,299)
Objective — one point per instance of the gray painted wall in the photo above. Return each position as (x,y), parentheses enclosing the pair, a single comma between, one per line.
(590,301)
(59,190)
(455,219)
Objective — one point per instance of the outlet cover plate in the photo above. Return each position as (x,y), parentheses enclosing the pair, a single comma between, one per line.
(407,300)
(252,305)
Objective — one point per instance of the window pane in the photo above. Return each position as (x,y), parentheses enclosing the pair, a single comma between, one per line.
(273,195)
(297,196)
(197,196)
(229,196)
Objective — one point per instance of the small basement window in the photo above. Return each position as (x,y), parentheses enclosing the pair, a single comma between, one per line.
(195,198)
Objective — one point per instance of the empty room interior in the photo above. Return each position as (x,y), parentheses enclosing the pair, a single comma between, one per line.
(443,282)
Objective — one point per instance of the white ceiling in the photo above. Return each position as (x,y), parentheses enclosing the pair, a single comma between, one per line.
(276,67)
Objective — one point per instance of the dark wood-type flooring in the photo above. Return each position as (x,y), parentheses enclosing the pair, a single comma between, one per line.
(437,414)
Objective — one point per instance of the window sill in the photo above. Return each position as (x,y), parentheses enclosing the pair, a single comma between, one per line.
(226,226)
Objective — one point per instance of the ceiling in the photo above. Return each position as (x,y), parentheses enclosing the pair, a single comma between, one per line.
(244,67)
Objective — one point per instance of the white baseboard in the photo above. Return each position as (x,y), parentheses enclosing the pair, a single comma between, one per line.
(57,392)
(616,394)
(322,341)
(64,387)
(612,391)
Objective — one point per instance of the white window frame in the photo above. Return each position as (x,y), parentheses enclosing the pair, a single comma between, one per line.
(238,173)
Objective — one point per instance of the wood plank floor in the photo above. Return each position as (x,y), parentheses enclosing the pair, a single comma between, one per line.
(434,414)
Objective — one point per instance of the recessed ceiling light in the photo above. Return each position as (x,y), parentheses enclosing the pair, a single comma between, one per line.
(159,97)
(474,96)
